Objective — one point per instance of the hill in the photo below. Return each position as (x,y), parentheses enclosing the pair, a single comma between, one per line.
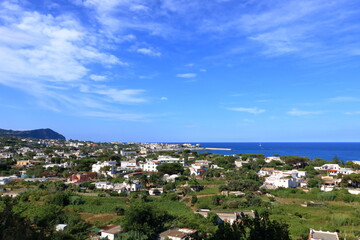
(37,133)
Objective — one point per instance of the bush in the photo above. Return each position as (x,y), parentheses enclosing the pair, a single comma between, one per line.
(76,200)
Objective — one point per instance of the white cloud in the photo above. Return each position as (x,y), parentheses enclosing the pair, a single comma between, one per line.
(163,98)
(253,110)
(148,51)
(297,112)
(189,65)
(202,70)
(352,113)
(98,78)
(186,75)
(345,99)
(52,59)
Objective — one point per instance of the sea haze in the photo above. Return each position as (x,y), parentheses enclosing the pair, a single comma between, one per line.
(344,150)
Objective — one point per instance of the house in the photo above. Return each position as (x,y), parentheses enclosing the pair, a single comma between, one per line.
(266,171)
(128,153)
(61,227)
(103,185)
(82,177)
(26,163)
(100,166)
(110,231)
(272,158)
(150,166)
(238,164)
(156,191)
(227,216)
(334,169)
(60,165)
(279,181)
(321,235)
(131,186)
(234,193)
(4,180)
(130,175)
(170,178)
(129,165)
(178,234)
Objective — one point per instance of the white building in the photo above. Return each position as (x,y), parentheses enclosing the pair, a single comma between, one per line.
(155,191)
(272,158)
(99,166)
(169,159)
(277,181)
(103,185)
(322,235)
(129,165)
(61,165)
(110,232)
(61,227)
(334,169)
(150,166)
(128,153)
(4,180)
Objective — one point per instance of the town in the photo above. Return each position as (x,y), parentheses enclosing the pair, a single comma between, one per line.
(69,189)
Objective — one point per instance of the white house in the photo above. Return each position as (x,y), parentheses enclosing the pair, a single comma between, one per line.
(266,171)
(169,159)
(98,167)
(150,166)
(177,234)
(110,232)
(322,235)
(155,191)
(61,165)
(285,182)
(103,185)
(4,180)
(272,158)
(129,165)
(334,169)
(61,227)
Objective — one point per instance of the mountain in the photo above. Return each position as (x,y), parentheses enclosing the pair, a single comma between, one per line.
(37,133)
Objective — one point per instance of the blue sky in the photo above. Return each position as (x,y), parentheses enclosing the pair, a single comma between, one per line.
(182,70)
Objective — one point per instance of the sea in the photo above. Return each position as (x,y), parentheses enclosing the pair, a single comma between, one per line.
(344,151)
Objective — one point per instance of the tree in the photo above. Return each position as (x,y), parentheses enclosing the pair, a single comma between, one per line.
(120,211)
(194,199)
(145,218)
(170,168)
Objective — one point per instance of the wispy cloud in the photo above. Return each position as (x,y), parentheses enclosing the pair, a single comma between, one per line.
(352,113)
(253,110)
(49,58)
(297,112)
(163,98)
(148,51)
(186,75)
(345,99)
(97,78)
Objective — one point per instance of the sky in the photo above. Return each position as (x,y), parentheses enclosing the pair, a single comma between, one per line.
(182,70)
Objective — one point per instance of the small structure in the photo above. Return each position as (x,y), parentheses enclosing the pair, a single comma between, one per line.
(110,231)
(61,227)
(155,191)
(227,216)
(4,180)
(178,234)
(321,235)
(82,177)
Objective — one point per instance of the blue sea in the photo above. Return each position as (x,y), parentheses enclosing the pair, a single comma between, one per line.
(344,151)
